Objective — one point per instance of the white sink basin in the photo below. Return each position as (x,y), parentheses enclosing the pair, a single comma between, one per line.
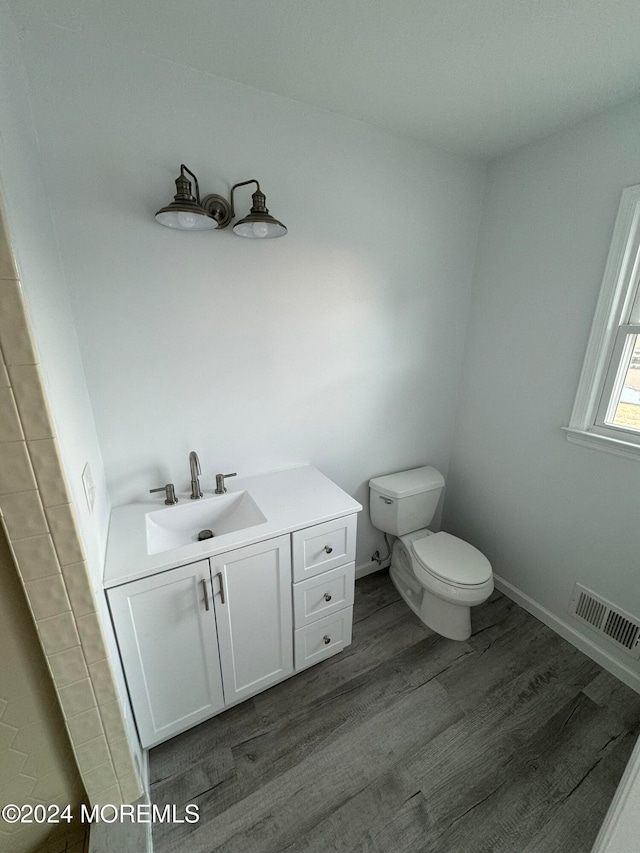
(177,526)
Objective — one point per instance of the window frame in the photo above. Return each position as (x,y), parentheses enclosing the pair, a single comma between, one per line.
(611,325)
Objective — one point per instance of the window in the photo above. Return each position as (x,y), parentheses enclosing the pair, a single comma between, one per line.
(606,413)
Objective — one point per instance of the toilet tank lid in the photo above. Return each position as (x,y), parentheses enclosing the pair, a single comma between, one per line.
(407,483)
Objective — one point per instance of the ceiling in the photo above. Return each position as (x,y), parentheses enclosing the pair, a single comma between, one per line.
(481,77)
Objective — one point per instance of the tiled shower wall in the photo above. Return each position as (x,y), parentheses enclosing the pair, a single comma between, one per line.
(38,518)
(36,764)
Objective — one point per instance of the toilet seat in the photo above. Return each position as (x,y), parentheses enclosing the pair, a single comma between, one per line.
(451,560)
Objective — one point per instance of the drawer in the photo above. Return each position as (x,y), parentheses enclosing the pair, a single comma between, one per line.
(323,638)
(323,547)
(323,594)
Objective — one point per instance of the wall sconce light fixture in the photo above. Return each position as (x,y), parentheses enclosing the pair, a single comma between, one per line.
(188,213)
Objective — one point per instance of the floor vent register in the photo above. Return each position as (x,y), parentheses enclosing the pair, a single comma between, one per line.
(611,621)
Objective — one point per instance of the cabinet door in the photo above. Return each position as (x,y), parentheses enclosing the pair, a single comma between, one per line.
(166,632)
(252,593)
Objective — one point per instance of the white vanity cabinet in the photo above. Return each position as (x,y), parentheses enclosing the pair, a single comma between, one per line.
(198,638)
(208,623)
(166,632)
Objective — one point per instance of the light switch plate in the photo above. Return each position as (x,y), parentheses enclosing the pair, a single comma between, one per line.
(89,487)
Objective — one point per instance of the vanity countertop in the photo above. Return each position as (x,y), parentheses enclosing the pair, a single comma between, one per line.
(290,500)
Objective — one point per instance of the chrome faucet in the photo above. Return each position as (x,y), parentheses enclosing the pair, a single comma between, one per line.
(220,486)
(194,464)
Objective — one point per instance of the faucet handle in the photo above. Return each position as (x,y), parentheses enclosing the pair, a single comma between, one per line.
(220,486)
(170,493)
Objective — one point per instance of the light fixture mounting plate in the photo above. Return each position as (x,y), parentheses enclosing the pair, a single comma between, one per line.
(218,207)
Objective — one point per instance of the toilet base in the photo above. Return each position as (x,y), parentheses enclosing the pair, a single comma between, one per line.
(452,621)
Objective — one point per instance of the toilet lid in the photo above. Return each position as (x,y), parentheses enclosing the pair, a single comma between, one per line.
(452,560)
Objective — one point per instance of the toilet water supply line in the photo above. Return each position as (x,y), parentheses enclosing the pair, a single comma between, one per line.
(376,555)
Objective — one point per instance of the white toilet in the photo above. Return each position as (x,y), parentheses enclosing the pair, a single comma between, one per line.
(440,576)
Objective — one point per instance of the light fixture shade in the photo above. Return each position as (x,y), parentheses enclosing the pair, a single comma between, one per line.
(259,225)
(185,212)
(186,217)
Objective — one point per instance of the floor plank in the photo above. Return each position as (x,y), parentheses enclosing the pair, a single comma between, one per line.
(509,742)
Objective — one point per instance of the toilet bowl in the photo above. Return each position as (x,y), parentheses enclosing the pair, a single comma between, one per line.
(440,576)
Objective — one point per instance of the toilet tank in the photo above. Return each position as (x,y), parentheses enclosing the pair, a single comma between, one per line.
(406,501)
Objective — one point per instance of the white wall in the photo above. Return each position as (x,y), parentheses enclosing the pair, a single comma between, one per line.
(35,241)
(43,279)
(547,513)
(339,345)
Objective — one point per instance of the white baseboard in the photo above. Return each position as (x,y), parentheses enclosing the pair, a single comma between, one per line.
(571,634)
(365,569)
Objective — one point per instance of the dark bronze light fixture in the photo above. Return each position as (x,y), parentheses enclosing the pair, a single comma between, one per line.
(258,224)
(188,213)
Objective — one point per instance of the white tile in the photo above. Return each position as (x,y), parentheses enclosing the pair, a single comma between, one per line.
(100,778)
(131,788)
(7,265)
(85,726)
(66,538)
(110,795)
(68,667)
(10,428)
(92,754)
(27,387)
(103,681)
(79,589)
(113,721)
(76,698)
(17,344)
(122,758)
(23,515)
(58,633)
(48,597)
(91,638)
(16,473)
(36,557)
(48,470)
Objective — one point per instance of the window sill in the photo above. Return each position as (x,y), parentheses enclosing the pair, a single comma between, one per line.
(603,442)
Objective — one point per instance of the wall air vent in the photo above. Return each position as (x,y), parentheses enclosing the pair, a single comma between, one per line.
(611,621)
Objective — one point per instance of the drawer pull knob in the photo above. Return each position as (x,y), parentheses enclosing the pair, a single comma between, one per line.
(327,640)
(327,597)
(328,549)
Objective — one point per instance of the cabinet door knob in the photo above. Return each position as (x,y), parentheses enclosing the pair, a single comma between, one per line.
(327,597)
(328,549)
(327,640)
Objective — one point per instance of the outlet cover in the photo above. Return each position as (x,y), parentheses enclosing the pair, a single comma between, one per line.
(89,487)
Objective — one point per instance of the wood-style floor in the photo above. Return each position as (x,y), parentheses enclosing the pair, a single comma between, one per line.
(511,742)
